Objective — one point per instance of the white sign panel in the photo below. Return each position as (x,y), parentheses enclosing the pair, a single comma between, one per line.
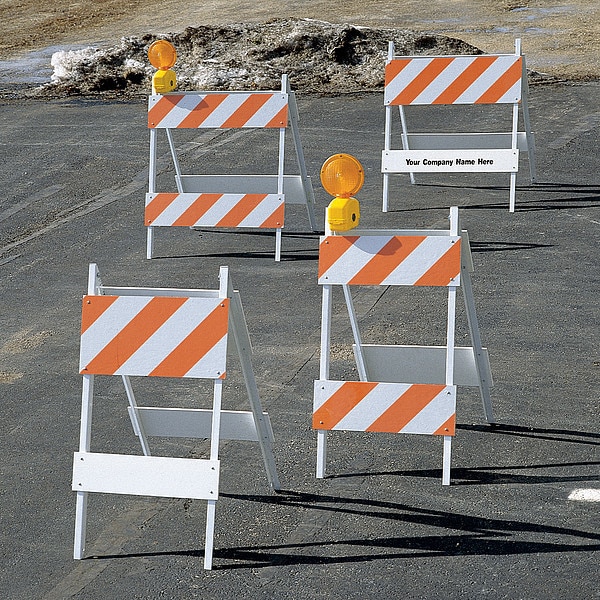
(448,161)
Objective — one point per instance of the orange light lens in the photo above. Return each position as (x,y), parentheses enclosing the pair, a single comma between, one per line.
(342,175)
(162,55)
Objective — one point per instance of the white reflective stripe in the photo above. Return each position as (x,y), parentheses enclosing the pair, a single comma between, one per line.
(488,79)
(181,110)
(219,209)
(268,111)
(224,110)
(107,326)
(435,414)
(323,390)
(263,211)
(513,94)
(214,362)
(168,336)
(354,259)
(419,261)
(372,406)
(404,78)
(439,85)
(175,209)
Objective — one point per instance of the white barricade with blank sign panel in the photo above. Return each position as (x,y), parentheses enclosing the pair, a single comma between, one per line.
(457,80)
(402,389)
(231,200)
(173,333)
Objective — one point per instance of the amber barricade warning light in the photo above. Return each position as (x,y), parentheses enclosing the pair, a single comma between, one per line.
(342,175)
(162,56)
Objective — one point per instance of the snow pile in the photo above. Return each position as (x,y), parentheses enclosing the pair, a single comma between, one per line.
(317,56)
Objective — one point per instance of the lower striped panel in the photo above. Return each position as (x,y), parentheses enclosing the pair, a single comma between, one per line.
(215,210)
(384,407)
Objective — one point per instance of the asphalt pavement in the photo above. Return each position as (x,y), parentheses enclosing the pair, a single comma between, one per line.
(381,525)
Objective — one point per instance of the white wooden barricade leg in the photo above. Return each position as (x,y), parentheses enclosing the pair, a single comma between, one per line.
(189,327)
(383,366)
(456,80)
(232,200)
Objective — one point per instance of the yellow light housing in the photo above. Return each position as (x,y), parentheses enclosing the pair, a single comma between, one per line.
(343,214)
(162,55)
(342,175)
(164,82)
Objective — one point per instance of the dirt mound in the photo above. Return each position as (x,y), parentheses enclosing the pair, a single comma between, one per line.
(317,56)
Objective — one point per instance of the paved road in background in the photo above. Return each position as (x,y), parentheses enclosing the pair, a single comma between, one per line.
(74,174)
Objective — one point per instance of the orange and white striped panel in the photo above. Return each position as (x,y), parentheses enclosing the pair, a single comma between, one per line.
(218,110)
(154,336)
(384,407)
(389,260)
(215,210)
(454,80)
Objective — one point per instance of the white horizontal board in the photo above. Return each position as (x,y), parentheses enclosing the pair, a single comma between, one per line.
(448,161)
(196,423)
(110,290)
(422,364)
(146,475)
(466,141)
(244,184)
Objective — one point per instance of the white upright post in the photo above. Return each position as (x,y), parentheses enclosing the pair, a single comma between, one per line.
(214,456)
(450,342)
(85,431)
(151,190)
(324,373)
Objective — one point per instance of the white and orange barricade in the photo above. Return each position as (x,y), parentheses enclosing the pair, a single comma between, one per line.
(499,79)
(402,388)
(231,200)
(171,333)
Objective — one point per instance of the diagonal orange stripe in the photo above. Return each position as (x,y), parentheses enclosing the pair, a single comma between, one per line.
(193,213)
(275,221)
(202,111)
(196,345)
(92,308)
(157,205)
(422,80)
(162,108)
(133,335)
(503,84)
(448,428)
(464,80)
(386,260)
(331,250)
(241,210)
(394,67)
(246,111)
(406,408)
(280,119)
(446,268)
(340,403)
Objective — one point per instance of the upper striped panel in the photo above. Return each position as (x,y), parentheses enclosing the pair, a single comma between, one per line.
(218,110)
(154,336)
(454,80)
(390,260)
